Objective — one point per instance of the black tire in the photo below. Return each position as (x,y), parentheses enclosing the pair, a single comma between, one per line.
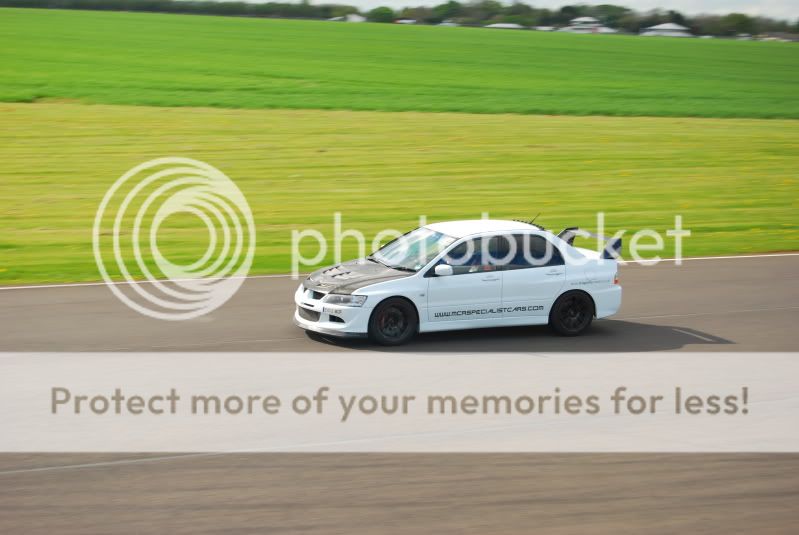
(393,322)
(572,313)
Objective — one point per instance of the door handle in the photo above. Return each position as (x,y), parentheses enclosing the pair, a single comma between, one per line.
(491,278)
(554,272)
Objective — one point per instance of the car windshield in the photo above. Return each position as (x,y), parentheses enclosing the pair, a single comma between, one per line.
(413,250)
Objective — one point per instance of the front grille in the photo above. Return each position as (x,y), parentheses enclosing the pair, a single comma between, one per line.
(316,295)
(310,315)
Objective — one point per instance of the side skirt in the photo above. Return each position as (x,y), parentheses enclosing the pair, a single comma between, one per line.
(429,326)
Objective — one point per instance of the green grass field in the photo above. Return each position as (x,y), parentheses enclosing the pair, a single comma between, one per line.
(81,90)
(735,181)
(168,60)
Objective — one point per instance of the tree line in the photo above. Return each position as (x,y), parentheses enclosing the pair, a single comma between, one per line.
(473,13)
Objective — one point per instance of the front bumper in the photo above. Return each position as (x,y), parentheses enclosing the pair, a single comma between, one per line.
(299,322)
(313,315)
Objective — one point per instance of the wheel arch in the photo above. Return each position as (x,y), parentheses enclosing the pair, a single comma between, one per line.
(402,297)
(575,291)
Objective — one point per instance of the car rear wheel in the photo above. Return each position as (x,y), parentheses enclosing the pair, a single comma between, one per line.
(571,314)
(393,322)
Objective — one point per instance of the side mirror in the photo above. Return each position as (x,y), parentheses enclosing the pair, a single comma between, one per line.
(443,270)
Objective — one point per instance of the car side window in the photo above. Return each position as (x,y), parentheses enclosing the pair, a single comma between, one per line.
(471,256)
(533,251)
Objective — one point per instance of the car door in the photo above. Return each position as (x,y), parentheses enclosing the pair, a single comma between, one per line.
(473,293)
(533,277)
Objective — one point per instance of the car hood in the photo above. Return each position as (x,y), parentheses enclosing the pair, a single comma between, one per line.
(350,276)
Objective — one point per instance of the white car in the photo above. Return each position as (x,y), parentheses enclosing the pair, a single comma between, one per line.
(463,275)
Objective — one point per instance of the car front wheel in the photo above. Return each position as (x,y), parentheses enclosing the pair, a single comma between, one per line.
(571,314)
(393,322)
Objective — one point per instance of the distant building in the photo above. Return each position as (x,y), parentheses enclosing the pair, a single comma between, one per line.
(448,23)
(545,28)
(506,26)
(779,36)
(405,21)
(588,22)
(668,29)
(352,17)
(586,25)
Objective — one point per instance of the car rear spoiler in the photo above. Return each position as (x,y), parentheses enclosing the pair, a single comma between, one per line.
(611,251)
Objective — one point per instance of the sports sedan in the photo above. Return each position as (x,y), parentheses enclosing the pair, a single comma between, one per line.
(463,275)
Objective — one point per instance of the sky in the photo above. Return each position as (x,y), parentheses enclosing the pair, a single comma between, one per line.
(781,9)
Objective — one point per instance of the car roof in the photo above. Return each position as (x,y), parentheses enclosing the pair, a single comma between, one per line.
(459,229)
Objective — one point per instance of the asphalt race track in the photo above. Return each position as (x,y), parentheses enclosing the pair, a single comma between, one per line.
(741,304)
(746,304)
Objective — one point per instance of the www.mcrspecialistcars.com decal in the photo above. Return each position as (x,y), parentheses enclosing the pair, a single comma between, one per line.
(488,311)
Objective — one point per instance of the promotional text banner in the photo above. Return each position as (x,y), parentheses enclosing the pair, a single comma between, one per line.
(399,402)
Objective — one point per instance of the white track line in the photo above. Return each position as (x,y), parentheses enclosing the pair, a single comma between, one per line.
(119,283)
(704,338)
(692,314)
(120,462)
(730,257)
(288,275)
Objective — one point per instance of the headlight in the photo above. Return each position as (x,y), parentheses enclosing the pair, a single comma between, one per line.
(345,300)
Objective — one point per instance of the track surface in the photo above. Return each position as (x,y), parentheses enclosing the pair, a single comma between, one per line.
(749,304)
